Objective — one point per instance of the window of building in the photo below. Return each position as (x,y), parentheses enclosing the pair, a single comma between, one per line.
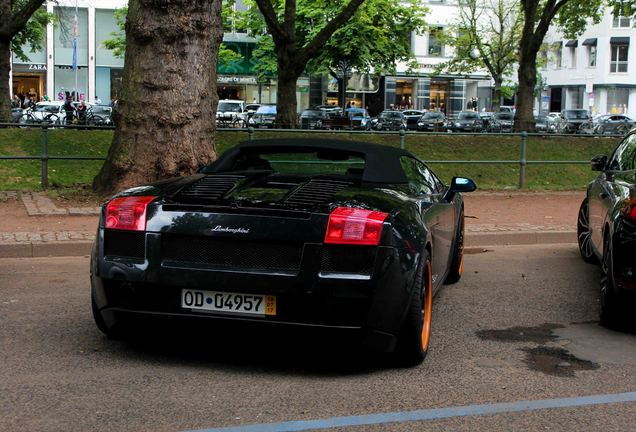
(573,57)
(618,61)
(617,100)
(621,16)
(435,47)
(591,56)
(558,55)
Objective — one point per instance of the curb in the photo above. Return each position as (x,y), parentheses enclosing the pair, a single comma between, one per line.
(83,248)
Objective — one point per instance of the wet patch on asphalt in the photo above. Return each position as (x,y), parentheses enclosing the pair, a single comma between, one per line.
(551,360)
(539,334)
(555,361)
(473,251)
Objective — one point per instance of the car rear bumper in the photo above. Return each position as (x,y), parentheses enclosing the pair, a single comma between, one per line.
(318,294)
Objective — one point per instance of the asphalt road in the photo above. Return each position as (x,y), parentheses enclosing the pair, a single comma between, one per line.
(521,325)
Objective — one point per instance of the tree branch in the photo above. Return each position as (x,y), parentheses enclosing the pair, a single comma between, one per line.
(321,38)
(273,26)
(19,19)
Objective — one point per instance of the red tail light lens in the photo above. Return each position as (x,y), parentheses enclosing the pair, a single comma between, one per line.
(629,210)
(128,213)
(354,226)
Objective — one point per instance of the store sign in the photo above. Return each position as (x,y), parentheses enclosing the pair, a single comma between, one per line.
(234,79)
(70,67)
(39,67)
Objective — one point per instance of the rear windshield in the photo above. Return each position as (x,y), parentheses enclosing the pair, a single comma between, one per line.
(504,116)
(47,108)
(266,109)
(433,115)
(229,107)
(468,115)
(575,114)
(391,115)
(312,114)
(327,162)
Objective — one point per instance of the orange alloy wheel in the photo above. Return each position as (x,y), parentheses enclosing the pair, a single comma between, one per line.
(427,307)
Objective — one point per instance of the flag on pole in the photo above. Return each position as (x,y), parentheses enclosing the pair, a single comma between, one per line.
(75,35)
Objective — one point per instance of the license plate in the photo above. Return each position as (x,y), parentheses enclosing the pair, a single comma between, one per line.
(236,303)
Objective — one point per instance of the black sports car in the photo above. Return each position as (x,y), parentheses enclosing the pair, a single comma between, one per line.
(306,232)
(466,121)
(607,230)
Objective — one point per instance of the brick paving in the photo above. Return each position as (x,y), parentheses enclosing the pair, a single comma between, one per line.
(38,204)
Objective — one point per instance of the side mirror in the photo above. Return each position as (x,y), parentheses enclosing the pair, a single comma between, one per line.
(599,163)
(459,184)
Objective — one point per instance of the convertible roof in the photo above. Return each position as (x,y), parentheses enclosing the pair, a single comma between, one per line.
(381,163)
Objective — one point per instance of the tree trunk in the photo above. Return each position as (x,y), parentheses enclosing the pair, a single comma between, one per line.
(286,105)
(496,95)
(527,75)
(5,70)
(166,112)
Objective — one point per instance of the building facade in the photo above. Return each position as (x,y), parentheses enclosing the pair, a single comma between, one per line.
(596,71)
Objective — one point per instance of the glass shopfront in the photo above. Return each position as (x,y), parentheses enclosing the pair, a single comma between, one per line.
(108,68)
(66,80)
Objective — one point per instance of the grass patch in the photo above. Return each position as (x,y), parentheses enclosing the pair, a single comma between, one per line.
(25,175)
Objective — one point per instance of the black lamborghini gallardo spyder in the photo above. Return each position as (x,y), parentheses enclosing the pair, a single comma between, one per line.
(305,232)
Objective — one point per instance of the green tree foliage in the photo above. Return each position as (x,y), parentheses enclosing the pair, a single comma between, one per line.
(117,41)
(22,25)
(485,34)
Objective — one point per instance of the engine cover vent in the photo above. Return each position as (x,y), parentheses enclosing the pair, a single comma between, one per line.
(316,191)
(209,188)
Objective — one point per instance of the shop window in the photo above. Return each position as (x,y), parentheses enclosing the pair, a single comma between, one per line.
(621,16)
(617,100)
(618,61)
(435,47)
(591,56)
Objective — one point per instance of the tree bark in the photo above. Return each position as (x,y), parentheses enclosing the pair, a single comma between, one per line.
(5,70)
(496,94)
(165,119)
(286,118)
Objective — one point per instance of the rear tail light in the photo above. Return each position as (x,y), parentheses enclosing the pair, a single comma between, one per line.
(629,209)
(128,213)
(354,226)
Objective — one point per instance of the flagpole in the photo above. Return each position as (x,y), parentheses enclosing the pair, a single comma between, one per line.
(75,43)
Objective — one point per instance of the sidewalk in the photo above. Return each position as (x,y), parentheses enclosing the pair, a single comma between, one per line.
(32,225)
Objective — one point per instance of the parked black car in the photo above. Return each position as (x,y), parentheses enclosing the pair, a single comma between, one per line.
(432,121)
(613,124)
(466,121)
(607,230)
(362,244)
(312,118)
(264,117)
(542,124)
(574,121)
(501,122)
(412,117)
(388,120)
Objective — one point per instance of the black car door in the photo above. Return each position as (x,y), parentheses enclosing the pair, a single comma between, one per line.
(440,216)
(611,186)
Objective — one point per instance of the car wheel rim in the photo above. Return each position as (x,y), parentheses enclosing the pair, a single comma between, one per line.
(584,233)
(427,306)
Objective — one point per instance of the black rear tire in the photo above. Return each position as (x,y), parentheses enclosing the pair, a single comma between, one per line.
(413,341)
(457,262)
(584,234)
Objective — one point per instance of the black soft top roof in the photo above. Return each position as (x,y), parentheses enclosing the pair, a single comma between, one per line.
(381,163)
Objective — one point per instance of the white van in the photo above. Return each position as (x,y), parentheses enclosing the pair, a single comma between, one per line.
(230,111)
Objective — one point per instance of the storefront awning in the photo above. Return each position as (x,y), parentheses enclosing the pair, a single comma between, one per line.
(572,43)
(619,40)
(590,42)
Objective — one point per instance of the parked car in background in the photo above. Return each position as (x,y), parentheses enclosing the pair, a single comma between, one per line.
(542,124)
(330,109)
(466,121)
(298,232)
(312,118)
(388,120)
(432,121)
(50,112)
(412,117)
(502,121)
(613,124)
(574,121)
(606,229)
(230,112)
(264,117)
(102,114)
(358,117)
(16,114)
(507,108)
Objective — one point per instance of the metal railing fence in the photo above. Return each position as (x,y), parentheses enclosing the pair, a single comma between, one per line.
(522,162)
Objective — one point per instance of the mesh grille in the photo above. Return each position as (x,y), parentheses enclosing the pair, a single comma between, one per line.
(316,191)
(124,243)
(231,253)
(209,188)
(346,259)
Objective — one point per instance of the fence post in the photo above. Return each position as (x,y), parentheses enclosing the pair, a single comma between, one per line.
(44,159)
(402,136)
(250,133)
(522,161)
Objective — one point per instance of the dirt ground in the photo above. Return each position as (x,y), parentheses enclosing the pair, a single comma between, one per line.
(482,208)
